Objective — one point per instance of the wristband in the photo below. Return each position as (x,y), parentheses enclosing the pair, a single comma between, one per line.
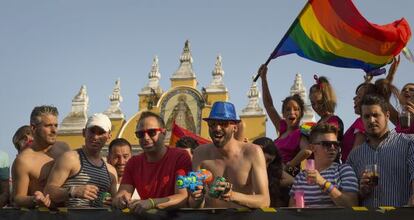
(152,203)
(329,190)
(34,201)
(71,191)
(326,186)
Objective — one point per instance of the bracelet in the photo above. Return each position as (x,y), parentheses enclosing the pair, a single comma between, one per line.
(326,186)
(329,190)
(71,191)
(34,202)
(152,203)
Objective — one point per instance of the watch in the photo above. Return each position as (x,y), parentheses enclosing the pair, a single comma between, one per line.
(70,191)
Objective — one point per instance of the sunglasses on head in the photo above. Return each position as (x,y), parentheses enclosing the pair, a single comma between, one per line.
(151,132)
(329,144)
(212,123)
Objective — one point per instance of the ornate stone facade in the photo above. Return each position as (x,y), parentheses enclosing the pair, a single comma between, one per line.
(183,103)
(75,121)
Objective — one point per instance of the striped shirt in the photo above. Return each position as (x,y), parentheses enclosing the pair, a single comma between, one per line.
(342,176)
(88,174)
(394,157)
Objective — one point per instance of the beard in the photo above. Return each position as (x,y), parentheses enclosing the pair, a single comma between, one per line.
(220,142)
(157,145)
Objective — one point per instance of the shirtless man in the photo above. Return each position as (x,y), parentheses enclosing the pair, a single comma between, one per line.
(23,138)
(242,164)
(31,167)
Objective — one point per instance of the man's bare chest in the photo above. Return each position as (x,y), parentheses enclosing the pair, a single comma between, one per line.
(235,171)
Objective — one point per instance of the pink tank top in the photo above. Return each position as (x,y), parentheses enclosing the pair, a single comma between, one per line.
(349,137)
(289,145)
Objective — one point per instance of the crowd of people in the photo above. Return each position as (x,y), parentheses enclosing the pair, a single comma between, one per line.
(369,164)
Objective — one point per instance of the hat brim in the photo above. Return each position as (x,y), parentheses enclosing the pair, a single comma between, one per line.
(221,119)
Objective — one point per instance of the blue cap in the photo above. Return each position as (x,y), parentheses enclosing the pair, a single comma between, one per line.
(222,111)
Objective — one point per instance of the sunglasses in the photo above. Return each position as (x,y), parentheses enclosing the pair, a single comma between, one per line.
(151,132)
(223,124)
(329,144)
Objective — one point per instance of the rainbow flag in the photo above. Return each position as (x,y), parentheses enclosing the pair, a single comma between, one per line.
(333,32)
(178,132)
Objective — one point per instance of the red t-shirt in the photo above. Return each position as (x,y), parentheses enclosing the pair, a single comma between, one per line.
(156,179)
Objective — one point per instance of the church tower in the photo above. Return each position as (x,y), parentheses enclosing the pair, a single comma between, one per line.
(299,88)
(70,129)
(151,93)
(114,111)
(216,91)
(253,115)
(185,75)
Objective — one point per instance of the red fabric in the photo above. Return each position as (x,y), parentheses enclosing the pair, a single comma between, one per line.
(396,31)
(156,179)
(178,132)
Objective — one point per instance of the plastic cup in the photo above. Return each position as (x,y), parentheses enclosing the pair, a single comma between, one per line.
(372,172)
(310,164)
(299,199)
(405,119)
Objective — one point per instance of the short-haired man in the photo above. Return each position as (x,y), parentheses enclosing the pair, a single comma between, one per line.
(153,173)
(187,143)
(392,154)
(81,178)
(328,183)
(119,152)
(31,167)
(23,138)
(242,164)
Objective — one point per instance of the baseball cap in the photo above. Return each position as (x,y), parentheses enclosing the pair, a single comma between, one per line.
(99,120)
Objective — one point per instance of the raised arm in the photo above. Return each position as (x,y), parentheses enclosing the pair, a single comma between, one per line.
(267,99)
(390,77)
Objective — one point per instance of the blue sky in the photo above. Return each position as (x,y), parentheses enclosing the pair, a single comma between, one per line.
(49,48)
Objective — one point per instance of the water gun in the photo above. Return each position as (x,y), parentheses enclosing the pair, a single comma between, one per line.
(194,179)
(213,192)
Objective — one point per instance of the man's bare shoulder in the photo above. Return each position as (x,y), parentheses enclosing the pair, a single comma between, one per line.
(251,150)
(69,157)
(22,160)
(26,157)
(59,148)
(204,149)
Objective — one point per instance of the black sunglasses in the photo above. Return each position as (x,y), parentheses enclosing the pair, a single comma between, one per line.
(329,144)
(151,132)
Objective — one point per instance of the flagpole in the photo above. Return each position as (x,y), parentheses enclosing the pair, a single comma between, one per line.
(283,39)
